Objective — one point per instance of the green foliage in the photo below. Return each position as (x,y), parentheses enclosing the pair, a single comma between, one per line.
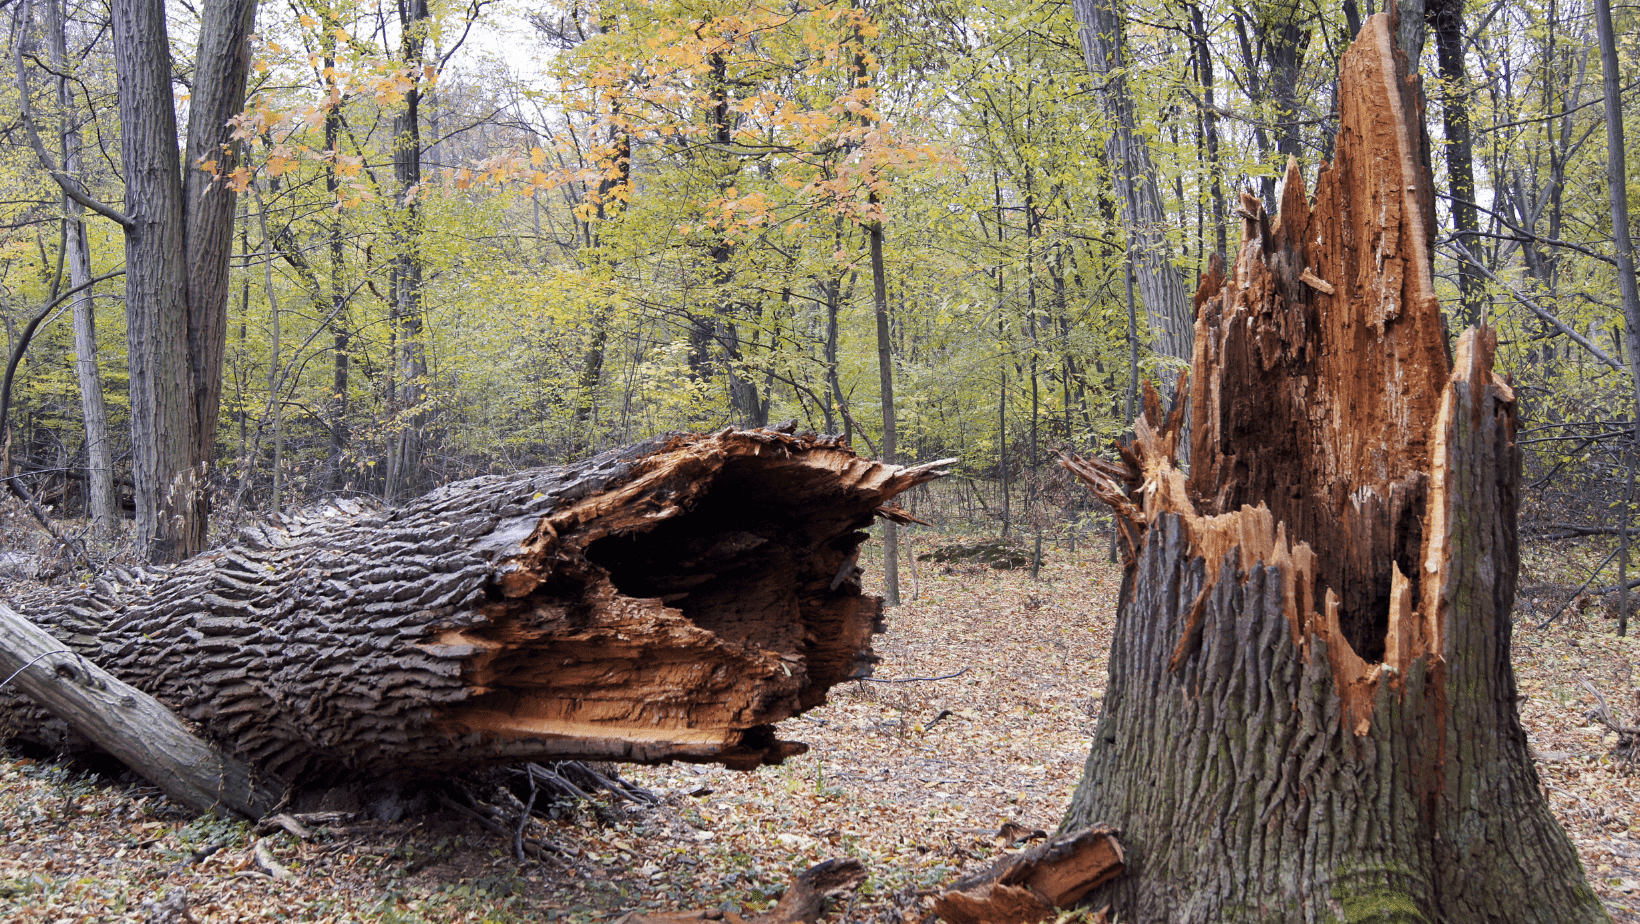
(663,227)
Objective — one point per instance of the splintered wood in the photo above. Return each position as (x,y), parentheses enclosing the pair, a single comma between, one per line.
(1033,885)
(670,601)
(1318,397)
(803,903)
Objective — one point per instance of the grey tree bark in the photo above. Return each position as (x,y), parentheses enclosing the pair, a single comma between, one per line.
(1311,709)
(1446,18)
(1617,185)
(407,443)
(178,237)
(100,501)
(885,378)
(156,293)
(669,601)
(1161,287)
(128,723)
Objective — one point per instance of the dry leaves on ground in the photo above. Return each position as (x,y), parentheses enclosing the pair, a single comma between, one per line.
(989,690)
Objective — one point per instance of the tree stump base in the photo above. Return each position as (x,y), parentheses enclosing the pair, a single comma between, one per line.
(1311,708)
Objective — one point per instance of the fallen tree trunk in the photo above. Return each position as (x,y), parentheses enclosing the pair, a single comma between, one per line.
(670,601)
(1311,707)
(129,724)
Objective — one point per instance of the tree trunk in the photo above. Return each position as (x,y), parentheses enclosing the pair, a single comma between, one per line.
(99,452)
(156,297)
(670,601)
(340,330)
(222,64)
(1160,286)
(1617,186)
(885,379)
(1311,708)
(406,444)
(175,306)
(1446,18)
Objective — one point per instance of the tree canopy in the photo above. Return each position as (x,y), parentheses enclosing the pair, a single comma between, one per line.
(469,239)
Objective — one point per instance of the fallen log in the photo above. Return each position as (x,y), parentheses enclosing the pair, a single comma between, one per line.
(129,724)
(1035,884)
(669,601)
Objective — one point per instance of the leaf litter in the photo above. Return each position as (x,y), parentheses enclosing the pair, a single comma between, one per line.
(971,736)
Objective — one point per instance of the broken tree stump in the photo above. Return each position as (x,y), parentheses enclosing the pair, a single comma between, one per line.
(1311,707)
(669,601)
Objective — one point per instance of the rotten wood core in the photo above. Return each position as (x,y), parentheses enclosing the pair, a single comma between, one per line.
(1320,364)
(670,601)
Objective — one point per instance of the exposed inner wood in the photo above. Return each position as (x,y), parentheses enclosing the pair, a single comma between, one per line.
(1316,399)
(804,902)
(670,601)
(1034,884)
(1319,380)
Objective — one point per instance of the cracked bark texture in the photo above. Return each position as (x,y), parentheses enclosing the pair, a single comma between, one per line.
(669,601)
(1311,713)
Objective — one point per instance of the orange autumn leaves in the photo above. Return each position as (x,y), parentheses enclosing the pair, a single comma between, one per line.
(794,87)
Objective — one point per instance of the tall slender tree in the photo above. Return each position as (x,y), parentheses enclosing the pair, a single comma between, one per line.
(1134,176)
(1446,20)
(407,445)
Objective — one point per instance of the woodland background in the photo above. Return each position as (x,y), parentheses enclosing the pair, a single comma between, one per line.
(478,236)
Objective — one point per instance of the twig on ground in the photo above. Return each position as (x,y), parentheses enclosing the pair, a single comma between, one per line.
(542,850)
(265,860)
(1626,734)
(1579,591)
(911,679)
(524,819)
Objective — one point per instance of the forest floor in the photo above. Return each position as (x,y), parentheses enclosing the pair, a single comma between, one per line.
(989,687)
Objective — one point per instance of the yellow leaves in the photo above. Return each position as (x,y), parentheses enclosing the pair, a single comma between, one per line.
(308,22)
(538,157)
(240,179)
(277,165)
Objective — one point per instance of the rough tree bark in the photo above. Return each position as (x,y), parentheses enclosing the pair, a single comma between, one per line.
(178,231)
(1311,709)
(669,601)
(1161,287)
(101,506)
(128,723)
